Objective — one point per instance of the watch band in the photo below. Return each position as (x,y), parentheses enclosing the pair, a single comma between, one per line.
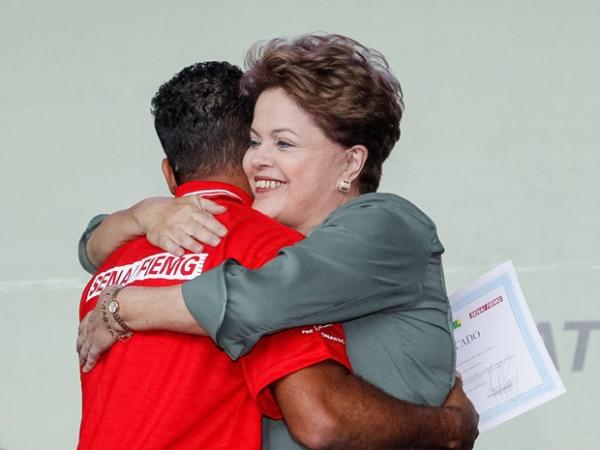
(112,307)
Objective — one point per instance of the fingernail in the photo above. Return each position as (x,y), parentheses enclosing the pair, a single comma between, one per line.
(222,232)
(216,241)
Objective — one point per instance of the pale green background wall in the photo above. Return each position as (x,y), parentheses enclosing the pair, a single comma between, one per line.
(500,146)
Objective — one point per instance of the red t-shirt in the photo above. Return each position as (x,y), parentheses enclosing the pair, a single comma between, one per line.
(165,390)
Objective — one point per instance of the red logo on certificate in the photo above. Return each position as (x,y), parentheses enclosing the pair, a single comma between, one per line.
(484,308)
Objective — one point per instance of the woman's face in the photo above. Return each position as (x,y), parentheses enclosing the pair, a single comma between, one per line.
(293,168)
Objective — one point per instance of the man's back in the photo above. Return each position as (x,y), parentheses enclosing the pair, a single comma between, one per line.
(166,390)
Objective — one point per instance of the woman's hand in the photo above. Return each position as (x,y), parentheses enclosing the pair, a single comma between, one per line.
(180,224)
(141,309)
(94,338)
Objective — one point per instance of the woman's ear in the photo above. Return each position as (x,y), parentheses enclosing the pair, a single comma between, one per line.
(167,171)
(356,157)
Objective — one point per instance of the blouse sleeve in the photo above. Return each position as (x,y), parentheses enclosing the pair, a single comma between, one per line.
(368,256)
(84,260)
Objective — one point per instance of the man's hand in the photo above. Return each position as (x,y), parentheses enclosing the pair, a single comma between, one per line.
(180,224)
(466,417)
(93,338)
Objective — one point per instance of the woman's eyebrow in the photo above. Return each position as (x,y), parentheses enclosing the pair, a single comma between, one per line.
(279,130)
(252,130)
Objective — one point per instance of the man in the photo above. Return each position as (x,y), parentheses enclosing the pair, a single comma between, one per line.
(203,127)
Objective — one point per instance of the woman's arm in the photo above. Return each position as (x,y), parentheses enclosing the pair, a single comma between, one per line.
(369,256)
(175,225)
(142,309)
(82,253)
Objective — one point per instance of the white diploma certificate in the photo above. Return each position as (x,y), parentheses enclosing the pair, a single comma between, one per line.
(505,367)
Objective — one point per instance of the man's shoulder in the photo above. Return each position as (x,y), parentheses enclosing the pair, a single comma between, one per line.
(244,219)
(253,238)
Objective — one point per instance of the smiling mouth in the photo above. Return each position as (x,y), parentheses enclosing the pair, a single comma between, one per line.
(264,185)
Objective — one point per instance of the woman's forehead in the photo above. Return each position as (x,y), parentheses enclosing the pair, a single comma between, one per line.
(275,110)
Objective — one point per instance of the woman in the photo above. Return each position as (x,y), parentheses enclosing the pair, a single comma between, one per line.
(326,116)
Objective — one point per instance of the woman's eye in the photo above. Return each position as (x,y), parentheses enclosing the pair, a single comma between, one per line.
(284,144)
(252,143)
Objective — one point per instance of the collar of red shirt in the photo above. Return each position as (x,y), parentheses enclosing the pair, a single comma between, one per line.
(213,190)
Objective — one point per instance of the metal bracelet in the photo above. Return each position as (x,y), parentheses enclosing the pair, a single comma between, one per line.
(118,335)
(116,315)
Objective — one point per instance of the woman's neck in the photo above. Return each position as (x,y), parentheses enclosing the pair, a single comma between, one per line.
(317,219)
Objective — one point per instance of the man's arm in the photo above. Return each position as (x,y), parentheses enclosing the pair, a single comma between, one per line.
(326,407)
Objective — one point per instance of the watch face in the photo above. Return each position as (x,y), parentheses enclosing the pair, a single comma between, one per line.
(113,306)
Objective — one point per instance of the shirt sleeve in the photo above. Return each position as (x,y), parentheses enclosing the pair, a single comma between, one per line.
(287,352)
(363,259)
(84,260)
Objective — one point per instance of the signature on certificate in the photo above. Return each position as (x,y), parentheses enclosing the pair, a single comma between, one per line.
(503,380)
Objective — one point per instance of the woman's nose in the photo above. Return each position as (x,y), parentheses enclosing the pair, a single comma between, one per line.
(261,157)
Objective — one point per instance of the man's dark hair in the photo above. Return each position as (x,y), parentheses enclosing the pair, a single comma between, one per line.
(202,120)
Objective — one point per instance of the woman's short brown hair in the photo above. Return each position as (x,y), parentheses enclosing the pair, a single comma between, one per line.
(346,88)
